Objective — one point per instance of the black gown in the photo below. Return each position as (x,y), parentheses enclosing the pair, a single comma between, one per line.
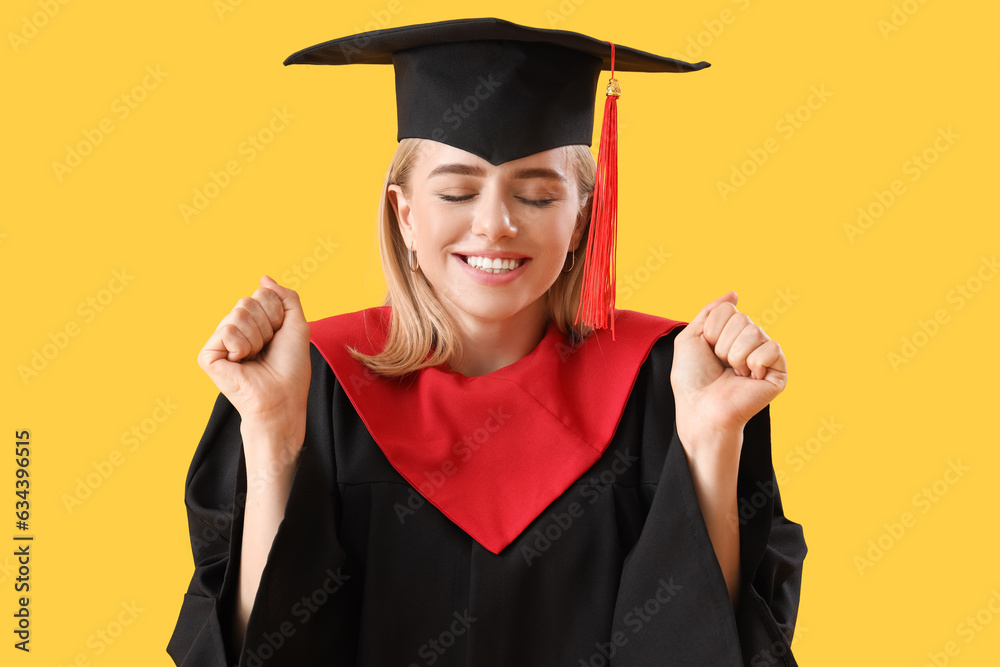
(617,570)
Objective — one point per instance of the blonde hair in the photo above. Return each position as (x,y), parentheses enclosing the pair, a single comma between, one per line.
(421,332)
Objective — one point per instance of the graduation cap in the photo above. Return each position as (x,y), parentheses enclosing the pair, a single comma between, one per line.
(504,91)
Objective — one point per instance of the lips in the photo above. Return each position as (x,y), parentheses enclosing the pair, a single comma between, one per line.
(494,264)
(493,268)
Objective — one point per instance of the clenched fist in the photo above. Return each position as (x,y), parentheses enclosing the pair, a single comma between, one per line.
(258,357)
(725,370)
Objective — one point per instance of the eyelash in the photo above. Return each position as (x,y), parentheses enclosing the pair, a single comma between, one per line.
(540,203)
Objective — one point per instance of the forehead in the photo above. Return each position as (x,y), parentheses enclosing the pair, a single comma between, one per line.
(435,158)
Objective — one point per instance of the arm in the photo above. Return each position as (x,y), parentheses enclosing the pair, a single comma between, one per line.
(269,482)
(700,624)
(725,370)
(301,550)
(714,471)
(259,358)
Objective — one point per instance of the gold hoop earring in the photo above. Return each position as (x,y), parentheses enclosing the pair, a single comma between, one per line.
(573,255)
(413,261)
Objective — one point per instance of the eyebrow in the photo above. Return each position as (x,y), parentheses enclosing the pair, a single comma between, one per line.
(472,170)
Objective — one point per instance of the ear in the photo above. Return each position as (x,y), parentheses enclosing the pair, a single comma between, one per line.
(581,224)
(401,207)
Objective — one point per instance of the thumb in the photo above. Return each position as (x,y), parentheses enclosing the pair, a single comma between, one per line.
(289,300)
(697,325)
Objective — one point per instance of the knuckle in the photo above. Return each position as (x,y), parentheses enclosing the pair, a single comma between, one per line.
(264,294)
(228,328)
(241,316)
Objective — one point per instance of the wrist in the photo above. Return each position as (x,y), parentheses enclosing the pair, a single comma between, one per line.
(272,444)
(711,448)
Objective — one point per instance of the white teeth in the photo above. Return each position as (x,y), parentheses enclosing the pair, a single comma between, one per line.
(493,265)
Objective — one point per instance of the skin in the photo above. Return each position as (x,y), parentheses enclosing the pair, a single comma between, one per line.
(725,368)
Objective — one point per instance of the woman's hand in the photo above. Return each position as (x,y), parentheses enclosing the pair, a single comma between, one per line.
(725,370)
(258,357)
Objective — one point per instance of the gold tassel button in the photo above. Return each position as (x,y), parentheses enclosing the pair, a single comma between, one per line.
(614,88)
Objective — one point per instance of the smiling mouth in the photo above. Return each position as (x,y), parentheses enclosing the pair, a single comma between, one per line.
(488,265)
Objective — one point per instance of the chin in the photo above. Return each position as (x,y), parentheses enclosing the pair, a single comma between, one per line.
(495,311)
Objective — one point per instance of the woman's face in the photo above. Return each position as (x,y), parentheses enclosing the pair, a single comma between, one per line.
(521,217)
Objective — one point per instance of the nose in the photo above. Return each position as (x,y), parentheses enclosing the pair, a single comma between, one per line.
(492,216)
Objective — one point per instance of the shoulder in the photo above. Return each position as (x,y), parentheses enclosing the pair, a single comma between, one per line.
(331,338)
(643,329)
(364,330)
(653,333)
(633,320)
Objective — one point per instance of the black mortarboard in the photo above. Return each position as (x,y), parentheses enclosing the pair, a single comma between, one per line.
(503,91)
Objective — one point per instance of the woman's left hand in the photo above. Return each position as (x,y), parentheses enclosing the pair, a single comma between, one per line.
(725,370)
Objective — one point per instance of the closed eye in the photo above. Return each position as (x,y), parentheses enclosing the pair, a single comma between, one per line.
(535,202)
(530,202)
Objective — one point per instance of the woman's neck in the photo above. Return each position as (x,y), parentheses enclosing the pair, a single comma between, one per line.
(489,346)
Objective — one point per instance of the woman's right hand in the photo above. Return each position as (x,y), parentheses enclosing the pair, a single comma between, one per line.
(258,357)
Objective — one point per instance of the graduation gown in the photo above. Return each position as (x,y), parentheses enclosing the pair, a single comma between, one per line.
(541,515)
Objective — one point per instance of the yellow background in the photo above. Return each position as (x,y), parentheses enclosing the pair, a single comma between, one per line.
(895,77)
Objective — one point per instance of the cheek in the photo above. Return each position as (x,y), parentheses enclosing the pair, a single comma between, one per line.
(559,232)
(434,224)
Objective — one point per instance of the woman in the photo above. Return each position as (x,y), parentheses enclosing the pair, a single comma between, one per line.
(466,475)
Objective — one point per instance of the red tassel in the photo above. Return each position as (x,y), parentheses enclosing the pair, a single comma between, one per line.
(597,297)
